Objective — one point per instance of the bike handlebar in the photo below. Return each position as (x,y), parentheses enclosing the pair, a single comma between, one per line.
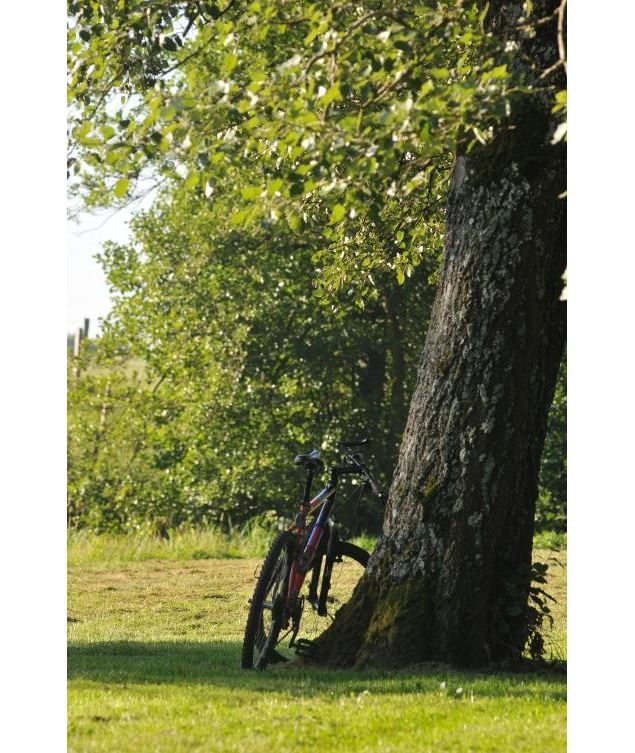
(354,443)
(359,467)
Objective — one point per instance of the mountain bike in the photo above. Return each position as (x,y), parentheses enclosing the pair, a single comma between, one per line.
(278,604)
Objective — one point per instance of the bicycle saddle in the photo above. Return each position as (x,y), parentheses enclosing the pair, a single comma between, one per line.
(311,460)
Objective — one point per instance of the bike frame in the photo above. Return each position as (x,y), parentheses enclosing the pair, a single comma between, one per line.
(326,498)
(302,563)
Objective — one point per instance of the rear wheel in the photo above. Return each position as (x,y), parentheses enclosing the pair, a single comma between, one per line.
(348,567)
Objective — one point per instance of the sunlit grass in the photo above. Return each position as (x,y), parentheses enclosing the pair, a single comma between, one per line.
(249,540)
(154,648)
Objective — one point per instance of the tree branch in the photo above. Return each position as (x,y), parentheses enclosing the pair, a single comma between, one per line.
(360,22)
(561,46)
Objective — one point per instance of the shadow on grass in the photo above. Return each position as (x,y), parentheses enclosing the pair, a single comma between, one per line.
(218,663)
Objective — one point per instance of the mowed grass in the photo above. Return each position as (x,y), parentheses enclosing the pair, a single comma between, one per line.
(154,650)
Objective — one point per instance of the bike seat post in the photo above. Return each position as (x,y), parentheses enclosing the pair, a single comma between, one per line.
(308,486)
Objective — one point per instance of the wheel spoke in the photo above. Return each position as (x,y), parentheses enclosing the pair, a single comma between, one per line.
(279,641)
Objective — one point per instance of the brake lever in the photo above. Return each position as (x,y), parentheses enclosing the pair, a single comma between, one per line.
(370,479)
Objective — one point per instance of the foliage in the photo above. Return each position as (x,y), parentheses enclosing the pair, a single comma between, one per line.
(243,368)
(551,510)
(551,540)
(344,117)
(524,612)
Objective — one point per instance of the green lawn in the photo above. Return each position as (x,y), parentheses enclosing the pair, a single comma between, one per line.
(153,659)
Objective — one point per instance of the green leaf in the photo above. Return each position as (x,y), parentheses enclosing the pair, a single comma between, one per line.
(295,221)
(239,218)
(168,112)
(337,214)
(401,277)
(251,192)
(121,187)
(312,35)
(273,186)
(230,61)
(499,72)
(82,131)
(332,94)
(192,179)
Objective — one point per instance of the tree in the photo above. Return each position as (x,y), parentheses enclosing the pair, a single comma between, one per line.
(451,575)
(240,366)
(354,116)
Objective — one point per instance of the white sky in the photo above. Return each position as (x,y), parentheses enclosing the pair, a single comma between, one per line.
(88,294)
(87,291)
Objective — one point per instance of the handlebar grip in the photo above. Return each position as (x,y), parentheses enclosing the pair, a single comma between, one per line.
(375,487)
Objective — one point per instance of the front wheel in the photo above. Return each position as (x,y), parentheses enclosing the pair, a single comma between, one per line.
(266,613)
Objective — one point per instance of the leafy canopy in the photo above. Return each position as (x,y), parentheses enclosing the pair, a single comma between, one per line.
(342,116)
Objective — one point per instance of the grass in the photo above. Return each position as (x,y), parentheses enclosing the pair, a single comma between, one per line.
(247,541)
(550,540)
(154,646)
(190,544)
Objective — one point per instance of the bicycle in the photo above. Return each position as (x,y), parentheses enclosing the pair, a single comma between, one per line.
(277,605)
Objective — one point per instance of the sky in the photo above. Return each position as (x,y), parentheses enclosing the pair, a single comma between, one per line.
(87,290)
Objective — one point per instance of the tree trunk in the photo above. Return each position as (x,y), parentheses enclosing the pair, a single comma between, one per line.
(449,578)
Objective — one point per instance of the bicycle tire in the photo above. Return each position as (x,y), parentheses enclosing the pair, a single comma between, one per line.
(281,542)
(253,628)
(343,552)
(346,549)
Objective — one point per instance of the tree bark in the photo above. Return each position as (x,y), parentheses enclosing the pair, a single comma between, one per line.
(457,534)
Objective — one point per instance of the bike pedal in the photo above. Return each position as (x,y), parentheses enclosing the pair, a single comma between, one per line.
(303,647)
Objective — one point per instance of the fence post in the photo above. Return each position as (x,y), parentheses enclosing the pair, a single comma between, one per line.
(77,341)
(86,327)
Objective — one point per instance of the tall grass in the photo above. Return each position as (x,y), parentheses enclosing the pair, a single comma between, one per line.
(250,540)
(247,541)
(550,540)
